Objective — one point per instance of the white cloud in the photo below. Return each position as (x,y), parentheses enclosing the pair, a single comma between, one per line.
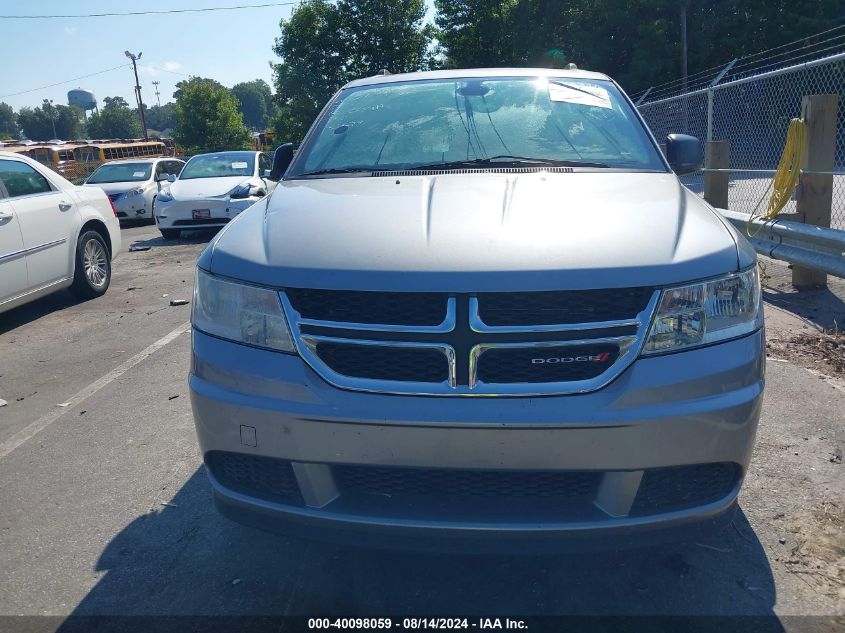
(154,70)
(70,30)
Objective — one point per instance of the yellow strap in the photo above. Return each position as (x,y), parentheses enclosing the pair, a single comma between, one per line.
(786,177)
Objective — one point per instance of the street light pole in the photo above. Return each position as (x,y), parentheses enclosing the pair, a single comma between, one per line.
(134,58)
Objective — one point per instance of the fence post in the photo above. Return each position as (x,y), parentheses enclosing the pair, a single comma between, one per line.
(717,155)
(816,190)
(709,115)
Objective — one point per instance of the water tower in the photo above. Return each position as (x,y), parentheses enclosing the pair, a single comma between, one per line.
(83,99)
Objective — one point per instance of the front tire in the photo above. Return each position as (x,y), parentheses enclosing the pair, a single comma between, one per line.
(170,234)
(92,273)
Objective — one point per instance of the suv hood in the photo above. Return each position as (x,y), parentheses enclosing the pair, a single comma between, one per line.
(113,188)
(476,232)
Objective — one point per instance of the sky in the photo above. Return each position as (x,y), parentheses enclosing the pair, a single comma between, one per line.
(229,46)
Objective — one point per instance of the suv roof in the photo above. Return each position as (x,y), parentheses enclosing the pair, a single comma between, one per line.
(476,72)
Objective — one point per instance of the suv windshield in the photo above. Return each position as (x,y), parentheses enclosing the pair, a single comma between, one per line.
(123,172)
(448,123)
(219,165)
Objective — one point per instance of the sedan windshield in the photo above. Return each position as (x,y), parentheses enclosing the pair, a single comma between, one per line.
(121,172)
(219,165)
(472,122)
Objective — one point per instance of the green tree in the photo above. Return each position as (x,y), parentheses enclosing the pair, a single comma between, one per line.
(635,41)
(326,44)
(255,102)
(184,82)
(207,118)
(8,121)
(114,121)
(114,102)
(37,123)
(161,118)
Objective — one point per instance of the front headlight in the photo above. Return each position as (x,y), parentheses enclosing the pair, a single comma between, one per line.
(241,191)
(245,190)
(707,312)
(240,313)
(164,196)
(137,191)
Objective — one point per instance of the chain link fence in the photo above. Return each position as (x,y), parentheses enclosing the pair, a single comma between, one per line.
(753,114)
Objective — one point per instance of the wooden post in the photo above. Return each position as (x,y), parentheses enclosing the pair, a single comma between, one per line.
(717,155)
(816,190)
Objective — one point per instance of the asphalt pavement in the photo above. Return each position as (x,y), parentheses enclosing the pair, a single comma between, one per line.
(105,508)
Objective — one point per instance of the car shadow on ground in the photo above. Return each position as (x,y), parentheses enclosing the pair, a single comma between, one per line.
(182,558)
(16,317)
(197,236)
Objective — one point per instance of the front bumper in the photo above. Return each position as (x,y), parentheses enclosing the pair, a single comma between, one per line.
(178,214)
(131,207)
(695,409)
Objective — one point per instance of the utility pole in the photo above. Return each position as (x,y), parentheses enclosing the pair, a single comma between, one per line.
(134,58)
(53,118)
(156,83)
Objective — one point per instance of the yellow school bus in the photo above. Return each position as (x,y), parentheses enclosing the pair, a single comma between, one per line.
(76,161)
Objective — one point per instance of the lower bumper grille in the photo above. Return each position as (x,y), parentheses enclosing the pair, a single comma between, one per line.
(518,495)
(263,477)
(681,487)
(467,483)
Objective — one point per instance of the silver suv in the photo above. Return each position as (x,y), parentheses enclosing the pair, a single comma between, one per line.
(479,305)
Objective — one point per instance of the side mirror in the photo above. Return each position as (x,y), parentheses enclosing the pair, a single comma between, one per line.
(171,177)
(162,177)
(684,153)
(266,173)
(281,160)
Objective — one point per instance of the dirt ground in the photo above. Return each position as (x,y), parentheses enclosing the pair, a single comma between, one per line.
(807,329)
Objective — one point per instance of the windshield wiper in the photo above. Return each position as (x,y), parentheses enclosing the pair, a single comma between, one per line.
(336,170)
(504,159)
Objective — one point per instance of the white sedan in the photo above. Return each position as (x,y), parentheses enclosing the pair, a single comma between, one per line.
(132,185)
(53,234)
(211,190)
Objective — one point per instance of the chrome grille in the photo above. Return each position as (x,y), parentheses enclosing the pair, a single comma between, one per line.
(391,308)
(385,362)
(562,307)
(525,343)
(553,363)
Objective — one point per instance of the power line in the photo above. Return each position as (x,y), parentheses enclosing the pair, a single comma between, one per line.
(106,15)
(99,72)
(153,67)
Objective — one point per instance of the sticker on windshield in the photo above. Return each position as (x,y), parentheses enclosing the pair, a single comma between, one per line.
(139,174)
(582,94)
(239,165)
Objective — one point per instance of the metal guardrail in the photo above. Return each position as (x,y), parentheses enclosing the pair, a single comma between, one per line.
(803,244)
